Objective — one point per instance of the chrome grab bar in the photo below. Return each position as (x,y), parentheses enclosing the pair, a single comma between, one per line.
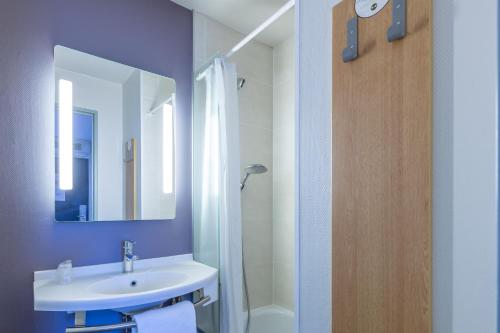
(122,326)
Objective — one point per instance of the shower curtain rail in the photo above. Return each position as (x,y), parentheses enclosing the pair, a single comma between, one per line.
(286,7)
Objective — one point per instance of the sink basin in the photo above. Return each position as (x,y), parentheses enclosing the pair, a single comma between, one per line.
(138,283)
(105,287)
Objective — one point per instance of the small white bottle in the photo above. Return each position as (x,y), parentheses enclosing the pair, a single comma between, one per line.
(65,272)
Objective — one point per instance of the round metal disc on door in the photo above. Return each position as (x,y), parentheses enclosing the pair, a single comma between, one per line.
(368,8)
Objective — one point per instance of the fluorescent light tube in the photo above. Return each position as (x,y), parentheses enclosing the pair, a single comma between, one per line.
(168,148)
(65,135)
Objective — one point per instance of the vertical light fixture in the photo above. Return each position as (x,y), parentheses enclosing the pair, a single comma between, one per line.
(168,147)
(65,135)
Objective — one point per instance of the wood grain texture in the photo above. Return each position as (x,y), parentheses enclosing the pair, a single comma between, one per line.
(131,183)
(382,175)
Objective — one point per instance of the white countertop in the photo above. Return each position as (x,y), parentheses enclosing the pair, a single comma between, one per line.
(164,278)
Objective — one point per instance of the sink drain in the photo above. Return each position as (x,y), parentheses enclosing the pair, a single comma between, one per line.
(133,283)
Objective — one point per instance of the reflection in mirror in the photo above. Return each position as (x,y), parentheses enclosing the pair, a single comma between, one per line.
(114,138)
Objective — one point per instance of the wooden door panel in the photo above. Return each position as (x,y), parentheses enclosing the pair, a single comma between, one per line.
(382,170)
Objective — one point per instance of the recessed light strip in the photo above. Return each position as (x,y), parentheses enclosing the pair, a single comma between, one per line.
(65,135)
(168,148)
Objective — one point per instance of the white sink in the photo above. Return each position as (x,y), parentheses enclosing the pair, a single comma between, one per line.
(103,287)
(141,282)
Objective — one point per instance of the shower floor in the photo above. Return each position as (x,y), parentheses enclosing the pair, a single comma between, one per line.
(272,319)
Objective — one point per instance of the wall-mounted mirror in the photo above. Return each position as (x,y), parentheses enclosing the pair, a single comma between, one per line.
(114,139)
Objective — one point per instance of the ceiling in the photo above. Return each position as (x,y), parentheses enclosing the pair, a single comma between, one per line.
(245,15)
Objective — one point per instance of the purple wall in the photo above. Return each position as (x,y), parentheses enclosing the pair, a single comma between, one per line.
(154,35)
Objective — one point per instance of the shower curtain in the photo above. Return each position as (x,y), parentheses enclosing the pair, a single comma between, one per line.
(220,181)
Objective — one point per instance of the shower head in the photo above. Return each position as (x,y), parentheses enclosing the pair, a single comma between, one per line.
(253,169)
(241,82)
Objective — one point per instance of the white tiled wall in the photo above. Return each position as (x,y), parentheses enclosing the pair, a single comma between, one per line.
(255,64)
(267,138)
(284,173)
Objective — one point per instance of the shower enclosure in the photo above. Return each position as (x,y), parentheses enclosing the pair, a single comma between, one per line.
(266,162)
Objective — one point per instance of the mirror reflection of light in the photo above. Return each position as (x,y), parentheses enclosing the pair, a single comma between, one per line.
(65,135)
(168,148)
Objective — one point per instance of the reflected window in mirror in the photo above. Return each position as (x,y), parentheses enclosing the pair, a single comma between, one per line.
(114,138)
(75,202)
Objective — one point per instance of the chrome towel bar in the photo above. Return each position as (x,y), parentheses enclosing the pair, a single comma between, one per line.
(122,326)
(106,328)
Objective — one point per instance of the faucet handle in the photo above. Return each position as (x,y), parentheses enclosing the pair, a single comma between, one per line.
(128,246)
(131,256)
(128,256)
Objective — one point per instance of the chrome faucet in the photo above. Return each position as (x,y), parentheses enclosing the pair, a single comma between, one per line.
(128,256)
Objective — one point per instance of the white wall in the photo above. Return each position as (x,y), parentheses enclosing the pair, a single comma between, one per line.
(284,173)
(465,219)
(155,205)
(475,165)
(105,98)
(314,124)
